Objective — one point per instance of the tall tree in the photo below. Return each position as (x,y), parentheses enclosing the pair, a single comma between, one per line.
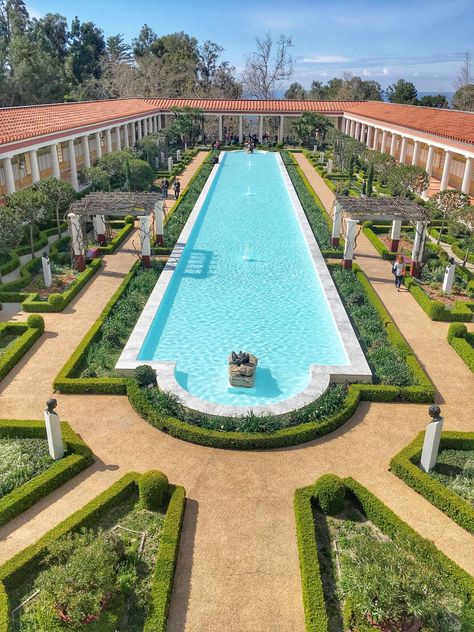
(85,52)
(59,196)
(465,75)
(463,98)
(30,206)
(448,205)
(268,67)
(434,101)
(11,230)
(144,42)
(187,124)
(402,92)
(117,49)
(295,92)
(312,128)
(215,78)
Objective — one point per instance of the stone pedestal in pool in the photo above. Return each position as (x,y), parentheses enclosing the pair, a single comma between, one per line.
(243,374)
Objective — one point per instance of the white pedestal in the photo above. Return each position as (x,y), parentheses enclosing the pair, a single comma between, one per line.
(170,163)
(431,445)
(53,432)
(46,263)
(185,146)
(449,278)
(321,156)
(330,166)
(162,156)
(178,155)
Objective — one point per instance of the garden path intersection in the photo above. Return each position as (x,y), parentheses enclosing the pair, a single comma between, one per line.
(238,568)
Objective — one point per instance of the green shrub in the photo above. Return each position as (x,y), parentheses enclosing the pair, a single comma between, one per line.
(129,219)
(141,175)
(456,330)
(153,488)
(56,301)
(35,321)
(330,492)
(145,375)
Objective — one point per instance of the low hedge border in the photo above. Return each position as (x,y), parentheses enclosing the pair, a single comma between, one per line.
(388,522)
(18,567)
(453,242)
(41,242)
(334,253)
(27,336)
(23,497)
(424,391)
(462,312)
(123,232)
(463,343)
(404,465)
(379,246)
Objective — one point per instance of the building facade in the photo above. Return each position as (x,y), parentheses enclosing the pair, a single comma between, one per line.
(59,140)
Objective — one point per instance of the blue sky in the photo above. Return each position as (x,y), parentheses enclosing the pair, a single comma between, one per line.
(422,40)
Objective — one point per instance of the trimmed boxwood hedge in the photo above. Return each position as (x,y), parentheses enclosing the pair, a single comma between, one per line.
(389,523)
(454,243)
(41,242)
(462,312)
(376,242)
(79,457)
(405,466)
(21,565)
(124,229)
(28,334)
(462,342)
(424,390)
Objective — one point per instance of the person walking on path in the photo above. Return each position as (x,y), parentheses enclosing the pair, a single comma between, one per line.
(398,270)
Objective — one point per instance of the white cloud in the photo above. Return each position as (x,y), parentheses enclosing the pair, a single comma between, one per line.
(365,73)
(34,13)
(324,59)
(385,71)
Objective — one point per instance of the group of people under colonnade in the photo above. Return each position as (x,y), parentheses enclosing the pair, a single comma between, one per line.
(453,168)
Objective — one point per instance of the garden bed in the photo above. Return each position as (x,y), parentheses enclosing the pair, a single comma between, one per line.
(462,342)
(125,540)
(406,466)
(27,472)
(16,339)
(363,568)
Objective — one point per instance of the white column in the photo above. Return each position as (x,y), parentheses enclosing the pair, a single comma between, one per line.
(54,435)
(170,163)
(466,180)
(395,235)
(99,228)
(159,223)
(98,145)
(376,138)
(77,241)
(393,145)
(145,239)
(347,125)
(369,136)
(280,129)
(351,232)
(416,153)
(446,168)
(336,225)
(351,128)
(418,246)
(384,141)
(363,128)
(221,130)
(86,152)
(139,129)
(403,149)
(429,160)
(241,128)
(357,130)
(126,137)
(448,280)
(134,133)
(55,161)
(158,121)
(429,453)
(260,129)
(118,140)
(9,177)
(35,172)
(108,141)
(72,164)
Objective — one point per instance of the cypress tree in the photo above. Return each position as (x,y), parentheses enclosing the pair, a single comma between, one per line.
(370,178)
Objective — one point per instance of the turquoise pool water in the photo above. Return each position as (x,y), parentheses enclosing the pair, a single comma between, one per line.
(246,281)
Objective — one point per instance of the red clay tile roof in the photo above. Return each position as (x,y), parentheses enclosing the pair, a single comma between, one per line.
(458,126)
(253,106)
(19,123)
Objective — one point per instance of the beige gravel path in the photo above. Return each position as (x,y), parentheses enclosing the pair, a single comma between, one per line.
(238,566)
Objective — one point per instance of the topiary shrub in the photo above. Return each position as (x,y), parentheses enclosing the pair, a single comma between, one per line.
(145,375)
(129,219)
(456,330)
(35,321)
(153,488)
(56,301)
(470,288)
(330,492)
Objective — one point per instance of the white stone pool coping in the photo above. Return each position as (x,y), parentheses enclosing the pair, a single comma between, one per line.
(320,375)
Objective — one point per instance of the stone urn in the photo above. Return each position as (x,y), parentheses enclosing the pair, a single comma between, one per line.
(243,373)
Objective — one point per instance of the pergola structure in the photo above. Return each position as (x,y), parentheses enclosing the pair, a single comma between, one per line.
(148,207)
(394,209)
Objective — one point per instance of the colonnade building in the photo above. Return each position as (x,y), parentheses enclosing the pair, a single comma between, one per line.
(59,140)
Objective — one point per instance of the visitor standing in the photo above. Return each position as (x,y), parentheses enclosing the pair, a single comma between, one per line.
(398,270)
(177,188)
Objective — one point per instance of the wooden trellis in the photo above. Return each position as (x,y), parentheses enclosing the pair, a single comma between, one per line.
(383,209)
(118,203)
